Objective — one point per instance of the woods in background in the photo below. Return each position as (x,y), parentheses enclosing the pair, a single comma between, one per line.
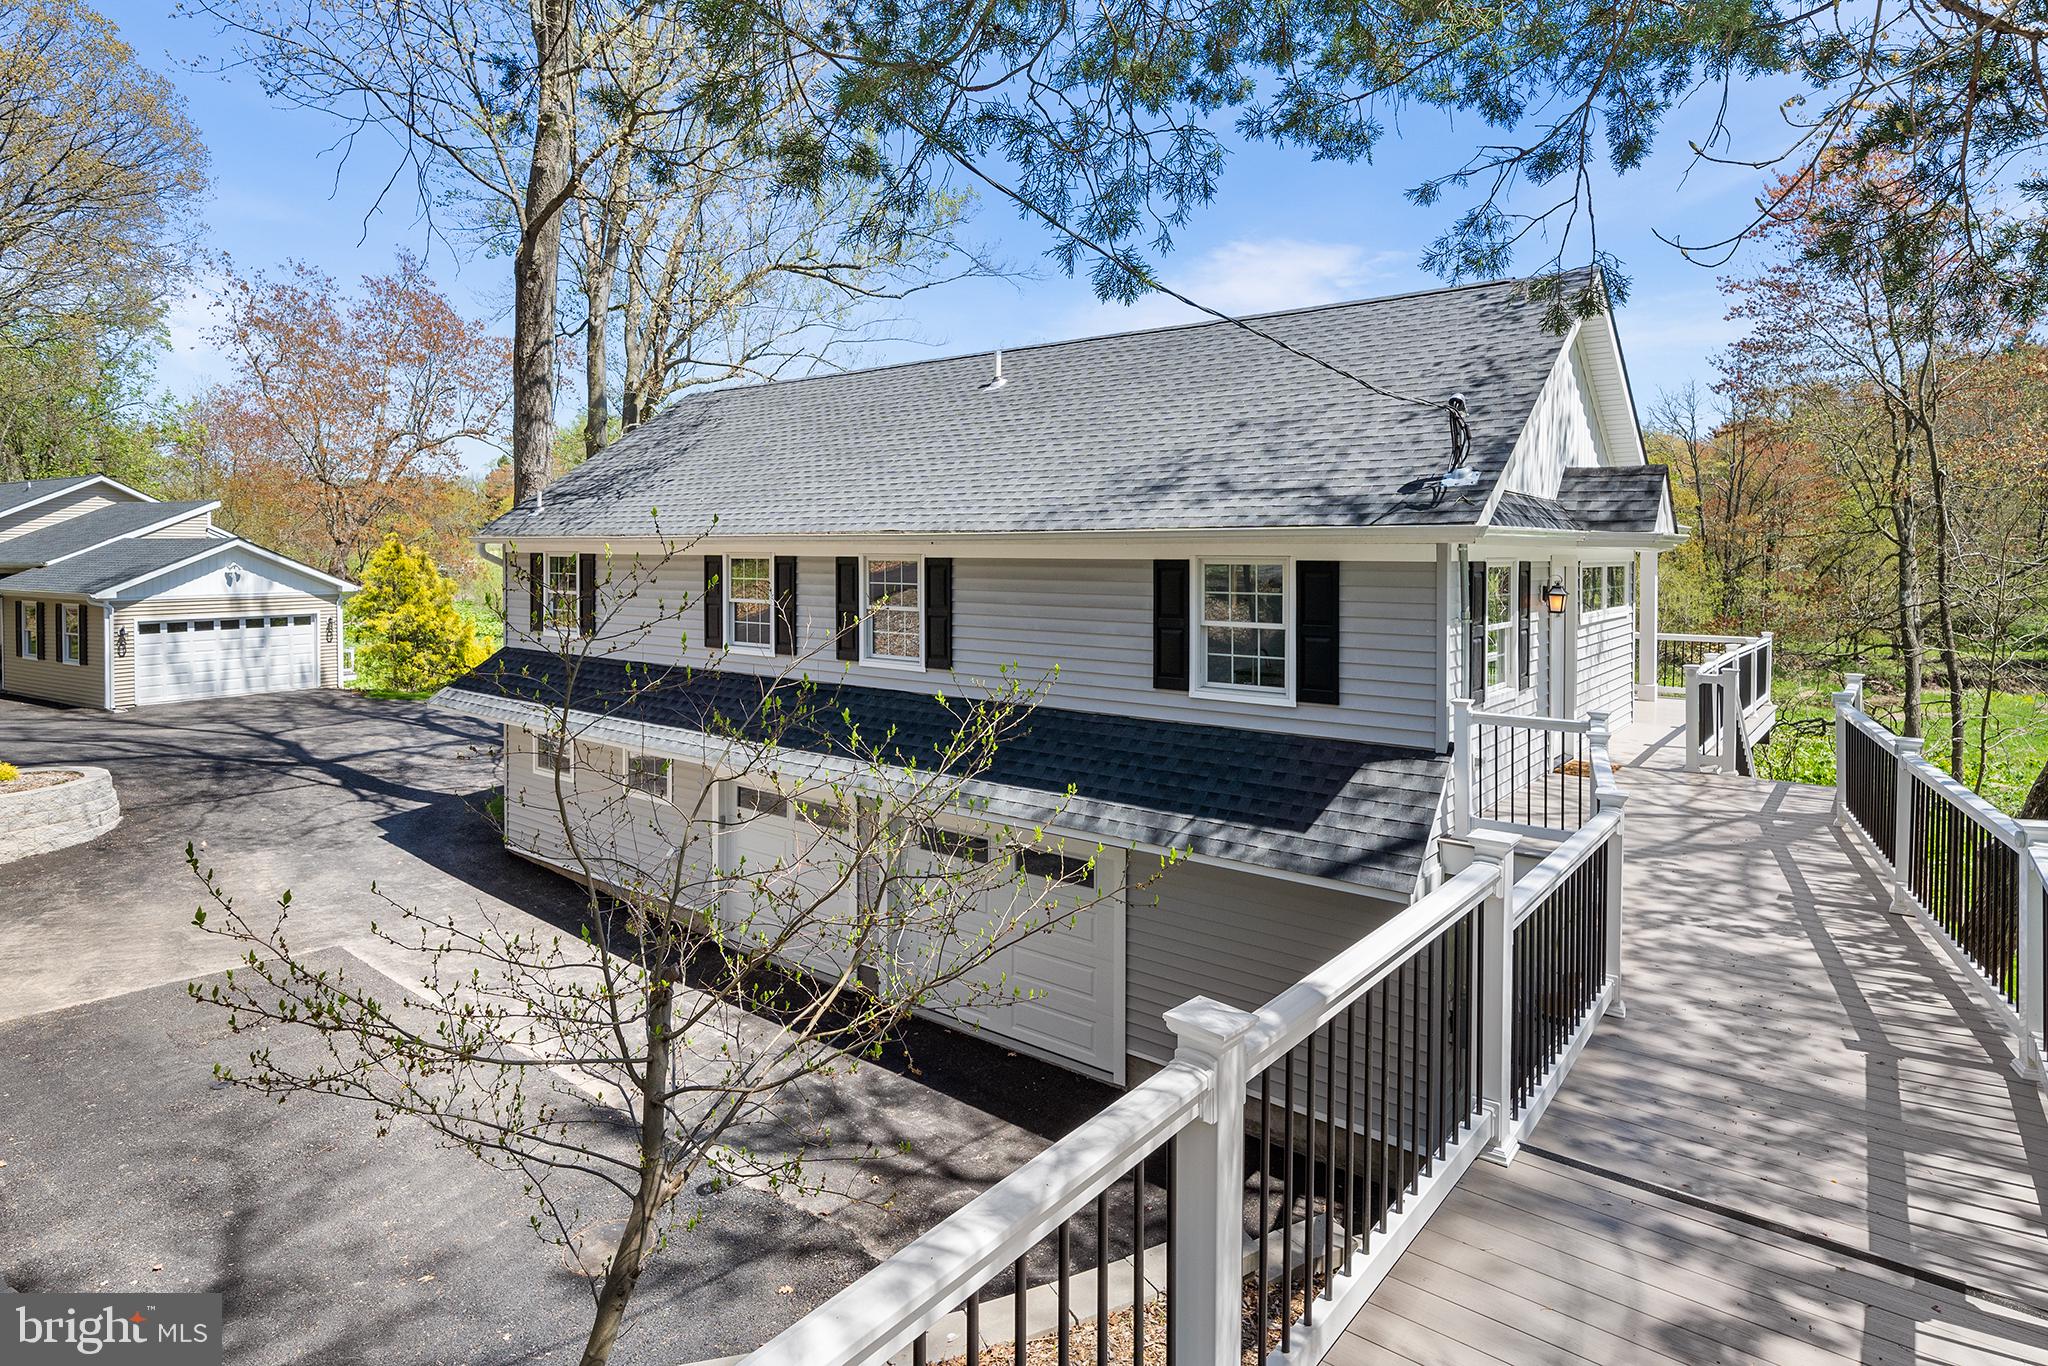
(1870,479)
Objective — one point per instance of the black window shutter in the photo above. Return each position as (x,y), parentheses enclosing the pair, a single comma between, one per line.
(84,635)
(1315,631)
(785,604)
(42,633)
(586,594)
(1170,624)
(536,587)
(938,614)
(846,577)
(1475,631)
(1526,597)
(714,602)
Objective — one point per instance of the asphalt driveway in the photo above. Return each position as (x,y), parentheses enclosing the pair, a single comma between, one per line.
(126,1166)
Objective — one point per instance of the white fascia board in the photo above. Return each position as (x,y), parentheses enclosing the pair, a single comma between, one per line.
(205,510)
(728,759)
(241,546)
(1525,540)
(1416,543)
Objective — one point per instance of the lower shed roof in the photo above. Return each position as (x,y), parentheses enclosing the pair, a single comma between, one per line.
(1356,814)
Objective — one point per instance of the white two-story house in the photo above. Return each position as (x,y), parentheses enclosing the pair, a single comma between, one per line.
(1262,579)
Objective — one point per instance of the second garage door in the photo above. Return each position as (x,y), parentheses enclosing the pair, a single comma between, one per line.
(179,661)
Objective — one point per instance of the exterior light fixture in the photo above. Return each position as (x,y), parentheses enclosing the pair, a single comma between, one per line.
(1553,597)
(330,628)
(121,642)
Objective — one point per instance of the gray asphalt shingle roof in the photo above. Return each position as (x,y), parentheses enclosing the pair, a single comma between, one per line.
(89,529)
(111,564)
(1307,804)
(1193,427)
(1526,510)
(20,491)
(1601,499)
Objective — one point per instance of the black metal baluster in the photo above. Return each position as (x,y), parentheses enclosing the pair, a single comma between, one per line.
(1351,1122)
(1137,1265)
(1380,1198)
(918,1349)
(1308,1193)
(1265,1187)
(1065,1243)
(1102,1279)
(1411,1166)
(1019,1318)
(1287,1203)
(1330,1153)
(974,1330)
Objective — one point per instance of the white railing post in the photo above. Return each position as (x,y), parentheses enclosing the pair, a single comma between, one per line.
(1770,668)
(1605,800)
(2033,853)
(1646,628)
(1847,700)
(1208,1184)
(1695,754)
(1497,990)
(1462,795)
(1730,679)
(1907,748)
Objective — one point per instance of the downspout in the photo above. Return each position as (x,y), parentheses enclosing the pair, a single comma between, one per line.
(107,656)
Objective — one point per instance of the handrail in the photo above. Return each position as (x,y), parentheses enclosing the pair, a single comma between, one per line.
(881,1313)
(1547,876)
(1567,725)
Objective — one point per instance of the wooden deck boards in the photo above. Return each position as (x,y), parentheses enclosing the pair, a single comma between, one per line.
(1794,1058)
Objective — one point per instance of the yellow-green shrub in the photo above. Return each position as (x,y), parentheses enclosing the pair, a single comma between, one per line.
(8,772)
(408,633)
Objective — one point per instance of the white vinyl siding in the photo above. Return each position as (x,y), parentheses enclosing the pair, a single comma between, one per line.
(627,837)
(1607,665)
(196,527)
(63,507)
(1239,938)
(1093,620)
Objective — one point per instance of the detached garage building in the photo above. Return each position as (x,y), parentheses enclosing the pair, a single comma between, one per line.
(112,599)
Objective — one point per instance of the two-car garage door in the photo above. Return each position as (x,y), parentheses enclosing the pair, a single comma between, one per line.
(178,661)
(1054,987)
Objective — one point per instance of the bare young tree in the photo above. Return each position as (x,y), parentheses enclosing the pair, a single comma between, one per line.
(709,996)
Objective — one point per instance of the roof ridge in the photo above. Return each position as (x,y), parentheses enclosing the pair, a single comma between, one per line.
(1303,310)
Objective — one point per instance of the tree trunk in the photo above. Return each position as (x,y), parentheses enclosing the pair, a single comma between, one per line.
(1912,654)
(536,265)
(2035,807)
(600,270)
(623,1274)
(632,387)
(1944,613)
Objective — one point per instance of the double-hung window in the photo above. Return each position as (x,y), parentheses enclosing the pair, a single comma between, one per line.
(29,643)
(1243,639)
(750,602)
(647,774)
(564,601)
(71,638)
(1500,626)
(894,630)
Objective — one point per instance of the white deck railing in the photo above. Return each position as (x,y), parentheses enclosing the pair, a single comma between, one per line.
(348,665)
(1523,775)
(1471,1006)
(1974,876)
(1727,693)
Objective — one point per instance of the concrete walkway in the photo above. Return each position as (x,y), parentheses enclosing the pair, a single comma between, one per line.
(1804,1144)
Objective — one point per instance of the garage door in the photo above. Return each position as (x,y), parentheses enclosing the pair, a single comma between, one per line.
(177,661)
(1055,991)
(795,865)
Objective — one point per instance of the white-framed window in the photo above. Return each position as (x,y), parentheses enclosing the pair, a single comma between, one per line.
(27,642)
(649,774)
(71,635)
(750,602)
(1603,588)
(552,753)
(1500,627)
(563,603)
(1242,644)
(893,632)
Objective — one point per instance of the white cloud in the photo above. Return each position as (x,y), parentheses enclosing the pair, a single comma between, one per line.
(1252,276)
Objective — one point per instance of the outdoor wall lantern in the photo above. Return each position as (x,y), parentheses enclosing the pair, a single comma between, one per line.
(1553,597)
(121,642)
(330,628)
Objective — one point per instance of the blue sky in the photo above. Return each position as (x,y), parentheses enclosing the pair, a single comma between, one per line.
(1284,231)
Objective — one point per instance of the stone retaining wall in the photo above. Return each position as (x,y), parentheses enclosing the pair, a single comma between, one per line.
(43,820)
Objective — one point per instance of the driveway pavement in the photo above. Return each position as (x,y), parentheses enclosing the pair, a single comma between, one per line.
(128,1167)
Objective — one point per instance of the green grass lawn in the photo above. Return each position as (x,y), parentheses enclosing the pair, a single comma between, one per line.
(1803,748)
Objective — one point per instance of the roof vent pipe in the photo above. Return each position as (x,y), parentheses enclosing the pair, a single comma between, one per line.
(998,382)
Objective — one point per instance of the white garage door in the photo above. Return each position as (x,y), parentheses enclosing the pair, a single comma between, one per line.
(1055,990)
(176,661)
(795,867)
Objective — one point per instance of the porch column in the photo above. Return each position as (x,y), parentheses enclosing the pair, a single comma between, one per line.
(1208,1184)
(1646,628)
